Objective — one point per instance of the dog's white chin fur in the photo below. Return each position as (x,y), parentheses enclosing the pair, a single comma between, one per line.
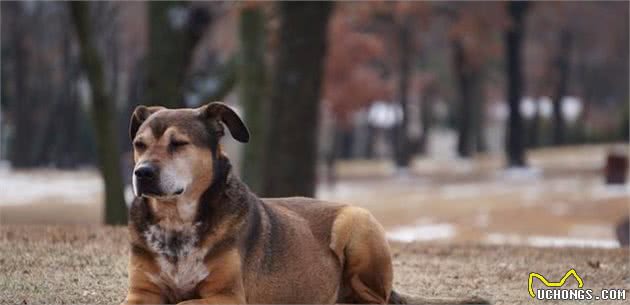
(175,178)
(134,186)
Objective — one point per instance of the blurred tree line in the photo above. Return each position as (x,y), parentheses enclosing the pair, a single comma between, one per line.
(73,72)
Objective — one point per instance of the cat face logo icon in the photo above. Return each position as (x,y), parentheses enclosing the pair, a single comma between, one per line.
(560,283)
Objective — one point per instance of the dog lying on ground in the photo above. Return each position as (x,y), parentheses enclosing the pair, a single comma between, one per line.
(199,236)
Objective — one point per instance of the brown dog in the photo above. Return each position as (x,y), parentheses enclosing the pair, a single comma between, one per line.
(198,235)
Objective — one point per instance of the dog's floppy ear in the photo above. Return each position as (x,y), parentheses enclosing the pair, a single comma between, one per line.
(225,114)
(139,115)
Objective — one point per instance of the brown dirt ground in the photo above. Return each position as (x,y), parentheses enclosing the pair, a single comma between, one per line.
(79,264)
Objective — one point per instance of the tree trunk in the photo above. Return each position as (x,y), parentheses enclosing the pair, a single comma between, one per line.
(65,150)
(294,109)
(402,152)
(562,70)
(426,116)
(227,79)
(174,31)
(371,140)
(103,115)
(464,86)
(471,106)
(343,141)
(21,101)
(513,39)
(478,113)
(253,93)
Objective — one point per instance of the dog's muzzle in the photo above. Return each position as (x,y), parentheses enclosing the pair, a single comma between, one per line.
(146,180)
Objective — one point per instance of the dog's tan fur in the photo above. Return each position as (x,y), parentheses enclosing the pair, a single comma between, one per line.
(217,243)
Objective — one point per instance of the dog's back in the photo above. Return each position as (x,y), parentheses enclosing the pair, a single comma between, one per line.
(286,244)
(319,215)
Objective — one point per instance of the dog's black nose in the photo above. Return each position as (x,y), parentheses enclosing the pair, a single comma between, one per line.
(145,172)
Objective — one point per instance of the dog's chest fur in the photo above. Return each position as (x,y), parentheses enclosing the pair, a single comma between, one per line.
(179,258)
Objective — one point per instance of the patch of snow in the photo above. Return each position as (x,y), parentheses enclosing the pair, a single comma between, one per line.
(549,241)
(503,239)
(528,107)
(571,108)
(545,106)
(459,191)
(19,188)
(520,173)
(422,232)
(561,242)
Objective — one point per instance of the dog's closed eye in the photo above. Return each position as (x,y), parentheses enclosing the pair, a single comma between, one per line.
(178,143)
(139,145)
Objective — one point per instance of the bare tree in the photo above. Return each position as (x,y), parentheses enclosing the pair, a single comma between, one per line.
(404,19)
(402,156)
(24,130)
(253,91)
(290,156)
(103,115)
(175,28)
(468,81)
(513,39)
(561,84)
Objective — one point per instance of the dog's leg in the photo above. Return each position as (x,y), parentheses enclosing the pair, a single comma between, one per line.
(359,242)
(217,299)
(141,289)
(224,285)
(140,296)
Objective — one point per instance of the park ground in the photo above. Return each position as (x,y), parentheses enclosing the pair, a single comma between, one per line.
(457,227)
(87,265)
(561,201)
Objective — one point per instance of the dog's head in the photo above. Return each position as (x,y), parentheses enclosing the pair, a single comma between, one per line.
(175,149)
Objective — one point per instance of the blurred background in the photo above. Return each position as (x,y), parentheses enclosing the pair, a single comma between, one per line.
(481,122)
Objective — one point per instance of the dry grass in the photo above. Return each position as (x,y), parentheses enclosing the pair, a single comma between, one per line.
(87,265)
(62,265)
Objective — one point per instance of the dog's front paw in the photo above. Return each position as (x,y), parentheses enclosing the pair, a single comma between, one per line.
(219,299)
